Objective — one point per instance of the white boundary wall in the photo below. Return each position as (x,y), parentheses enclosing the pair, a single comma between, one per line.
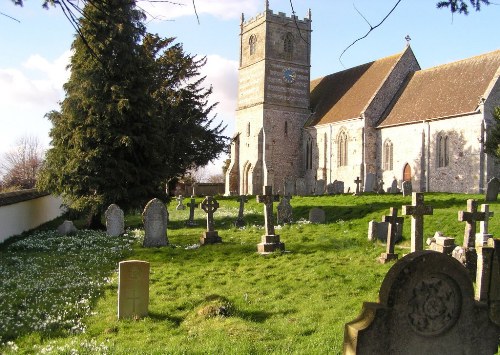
(23,216)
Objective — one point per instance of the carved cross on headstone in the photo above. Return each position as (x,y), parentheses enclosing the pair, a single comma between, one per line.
(210,205)
(470,217)
(267,199)
(239,222)
(192,205)
(393,220)
(417,211)
(483,225)
(357,182)
(180,205)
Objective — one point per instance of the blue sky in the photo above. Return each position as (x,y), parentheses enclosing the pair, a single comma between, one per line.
(35,52)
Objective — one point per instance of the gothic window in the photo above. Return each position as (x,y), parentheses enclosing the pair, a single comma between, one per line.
(248,129)
(252,43)
(442,151)
(387,156)
(309,154)
(342,149)
(288,45)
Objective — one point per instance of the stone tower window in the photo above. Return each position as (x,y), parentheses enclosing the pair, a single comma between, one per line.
(248,129)
(309,154)
(288,45)
(387,155)
(342,149)
(286,128)
(252,42)
(442,155)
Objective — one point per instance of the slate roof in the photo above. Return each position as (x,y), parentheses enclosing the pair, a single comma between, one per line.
(347,94)
(9,198)
(444,91)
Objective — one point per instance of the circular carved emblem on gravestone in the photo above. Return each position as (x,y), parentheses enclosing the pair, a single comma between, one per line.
(434,305)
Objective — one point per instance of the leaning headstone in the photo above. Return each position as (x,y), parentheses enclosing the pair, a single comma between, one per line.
(441,243)
(210,236)
(240,222)
(67,227)
(317,215)
(417,211)
(155,219)
(370,180)
(320,187)
(392,220)
(284,211)
(483,236)
(192,205)
(492,189)
(133,289)
(115,224)
(470,217)
(300,186)
(426,306)
(407,188)
(180,206)
(270,242)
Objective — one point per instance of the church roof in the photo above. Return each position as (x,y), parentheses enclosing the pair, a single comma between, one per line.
(347,94)
(444,91)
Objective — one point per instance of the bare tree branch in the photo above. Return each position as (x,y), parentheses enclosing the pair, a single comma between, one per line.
(12,18)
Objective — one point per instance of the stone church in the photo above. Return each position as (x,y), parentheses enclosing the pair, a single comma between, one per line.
(383,122)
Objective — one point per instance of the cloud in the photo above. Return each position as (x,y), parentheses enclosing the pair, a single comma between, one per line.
(227,9)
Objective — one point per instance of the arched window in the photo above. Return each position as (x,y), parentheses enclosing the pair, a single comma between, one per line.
(252,43)
(442,150)
(309,154)
(342,149)
(286,128)
(288,45)
(387,156)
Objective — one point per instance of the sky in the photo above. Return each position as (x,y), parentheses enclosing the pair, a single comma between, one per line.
(35,47)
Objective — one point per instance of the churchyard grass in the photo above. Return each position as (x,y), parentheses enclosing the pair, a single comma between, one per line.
(60,293)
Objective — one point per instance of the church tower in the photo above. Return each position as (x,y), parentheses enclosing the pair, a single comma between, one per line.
(273,102)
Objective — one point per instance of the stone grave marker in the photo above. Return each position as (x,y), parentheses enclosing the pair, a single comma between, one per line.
(284,211)
(394,187)
(417,211)
(320,187)
(240,222)
(483,236)
(289,187)
(133,289)
(192,205)
(426,306)
(115,224)
(317,215)
(67,227)
(270,242)
(300,186)
(392,220)
(380,187)
(330,189)
(441,244)
(357,182)
(210,236)
(492,188)
(470,217)
(370,182)
(155,219)
(378,231)
(180,206)
(407,188)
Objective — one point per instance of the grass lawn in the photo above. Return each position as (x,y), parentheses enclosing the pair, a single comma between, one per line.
(59,294)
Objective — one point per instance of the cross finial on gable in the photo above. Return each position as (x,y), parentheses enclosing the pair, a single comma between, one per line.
(408,40)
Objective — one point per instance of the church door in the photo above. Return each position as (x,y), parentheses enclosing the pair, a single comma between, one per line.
(407,173)
(246,178)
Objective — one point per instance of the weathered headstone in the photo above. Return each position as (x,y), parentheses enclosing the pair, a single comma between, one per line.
(330,189)
(338,187)
(317,215)
(300,186)
(441,243)
(380,187)
(284,211)
(369,182)
(417,211)
(67,227)
(180,206)
(378,231)
(320,187)
(407,188)
(133,289)
(210,236)
(394,187)
(483,236)
(426,306)
(240,222)
(484,272)
(357,182)
(192,205)
(289,187)
(115,224)
(155,219)
(492,189)
(270,242)
(392,220)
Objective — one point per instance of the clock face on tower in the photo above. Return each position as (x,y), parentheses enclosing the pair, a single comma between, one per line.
(289,75)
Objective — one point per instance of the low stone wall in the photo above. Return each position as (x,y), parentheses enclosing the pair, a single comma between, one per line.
(24,210)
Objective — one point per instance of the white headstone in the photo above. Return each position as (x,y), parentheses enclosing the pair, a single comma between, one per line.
(115,224)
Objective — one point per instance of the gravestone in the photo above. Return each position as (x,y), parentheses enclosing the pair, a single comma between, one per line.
(270,242)
(192,205)
(300,186)
(133,289)
(483,236)
(289,187)
(407,188)
(67,227)
(210,236)
(378,231)
(240,222)
(317,215)
(155,219)
(320,187)
(357,182)
(370,182)
(393,220)
(180,206)
(284,211)
(417,211)
(338,187)
(394,187)
(380,187)
(492,188)
(330,189)
(441,243)
(115,224)
(470,217)
(426,306)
